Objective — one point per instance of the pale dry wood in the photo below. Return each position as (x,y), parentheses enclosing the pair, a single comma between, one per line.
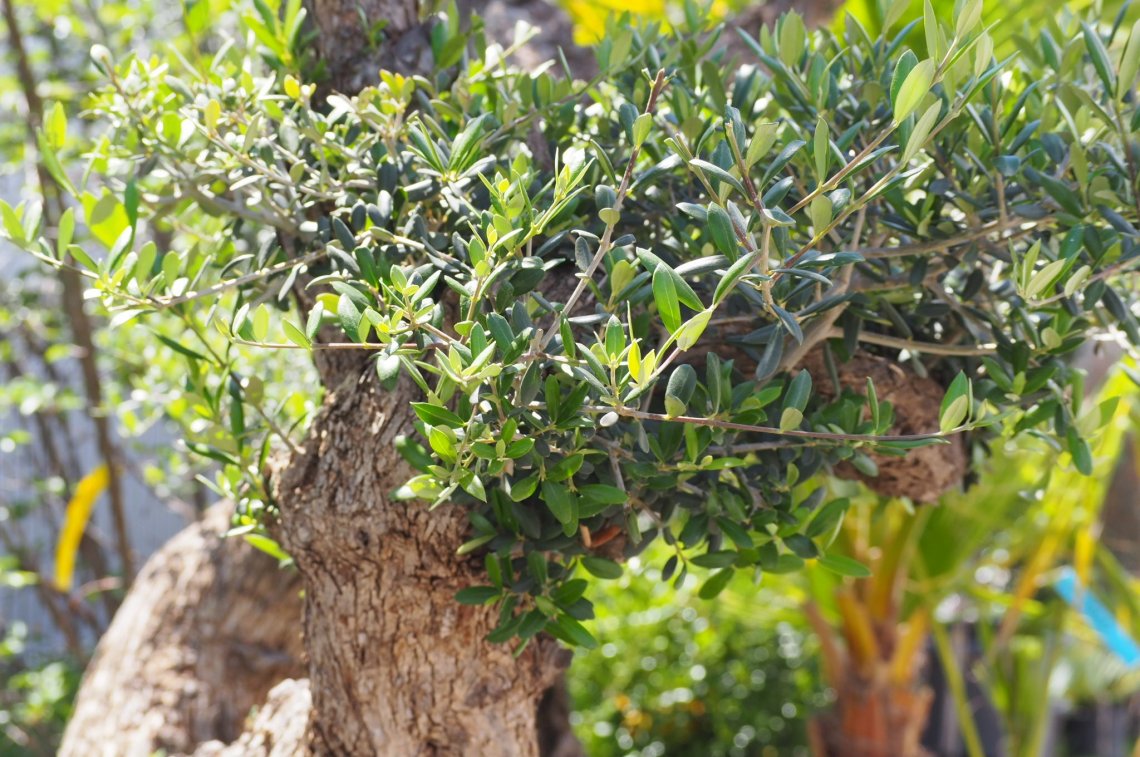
(208,628)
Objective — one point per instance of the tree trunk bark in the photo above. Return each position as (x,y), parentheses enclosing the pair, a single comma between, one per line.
(396,666)
(356,38)
(208,628)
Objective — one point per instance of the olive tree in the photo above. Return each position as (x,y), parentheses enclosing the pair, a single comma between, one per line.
(556,319)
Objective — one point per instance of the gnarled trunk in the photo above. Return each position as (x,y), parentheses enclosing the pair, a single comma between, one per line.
(208,628)
(396,666)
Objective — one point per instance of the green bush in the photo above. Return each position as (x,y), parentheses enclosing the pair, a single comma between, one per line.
(35,699)
(968,216)
(679,675)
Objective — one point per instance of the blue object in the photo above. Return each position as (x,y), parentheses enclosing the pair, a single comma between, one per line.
(1083,601)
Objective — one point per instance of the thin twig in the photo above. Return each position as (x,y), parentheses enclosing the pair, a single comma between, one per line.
(797,433)
(930,348)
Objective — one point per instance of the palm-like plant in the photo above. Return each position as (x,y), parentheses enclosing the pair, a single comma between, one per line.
(993,548)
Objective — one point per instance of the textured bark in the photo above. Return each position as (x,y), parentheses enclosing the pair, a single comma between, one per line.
(208,628)
(397,667)
(555,32)
(923,474)
(873,719)
(277,730)
(356,38)
(555,735)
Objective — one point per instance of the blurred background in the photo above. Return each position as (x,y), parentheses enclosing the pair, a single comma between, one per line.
(1019,596)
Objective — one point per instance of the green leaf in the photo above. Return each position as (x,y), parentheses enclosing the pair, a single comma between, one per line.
(665,295)
(959,387)
(718,173)
(907,62)
(602,568)
(519,447)
(845,566)
(349,316)
(523,488)
(789,322)
(131,200)
(313,322)
(921,131)
(715,584)
(13,226)
(954,415)
(684,292)
(1099,56)
(434,415)
(477,595)
(641,128)
(1080,452)
(873,403)
(680,389)
(722,558)
(442,442)
(561,501)
(64,232)
(295,335)
(180,348)
(604,494)
(52,164)
(736,532)
(799,390)
(691,331)
(821,146)
(55,126)
(820,213)
(470,546)
(465,142)
(801,546)
(826,518)
(211,113)
(913,89)
(793,39)
(105,217)
(721,231)
(790,419)
(776,217)
(260,322)
(735,272)
(566,467)
(615,337)
(762,141)
(1129,69)
(267,545)
(933,31)
(968,17)
(572,632)
(1044,278)
(82,257)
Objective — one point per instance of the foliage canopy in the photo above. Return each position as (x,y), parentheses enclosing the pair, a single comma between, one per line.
(604,291)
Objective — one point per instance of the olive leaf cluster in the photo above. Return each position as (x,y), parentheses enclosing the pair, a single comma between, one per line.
(606,292)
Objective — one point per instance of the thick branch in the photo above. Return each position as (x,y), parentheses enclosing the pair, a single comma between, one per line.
(208,628)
